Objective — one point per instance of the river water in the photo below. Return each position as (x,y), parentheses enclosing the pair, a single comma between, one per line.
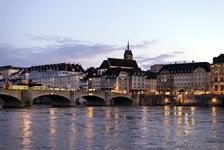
(91,128)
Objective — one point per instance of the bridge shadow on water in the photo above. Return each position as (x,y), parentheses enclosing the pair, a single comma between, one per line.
(96,101)
(50,101)
(121,101)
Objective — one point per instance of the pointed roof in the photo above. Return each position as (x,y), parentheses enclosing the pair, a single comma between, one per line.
(104,65)
(128,51)
(128,46)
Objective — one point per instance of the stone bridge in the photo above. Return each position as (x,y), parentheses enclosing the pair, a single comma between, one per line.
(25,98)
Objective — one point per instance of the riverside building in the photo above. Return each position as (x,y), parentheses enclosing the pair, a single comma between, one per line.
(122,75)
(217,73)
(192,78)
(58,75)
(12,74)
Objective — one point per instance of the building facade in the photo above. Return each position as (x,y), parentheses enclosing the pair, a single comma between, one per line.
(42,74)
(122,75)
(217,75)
(151,83)
(67,82)
(189,77)
(6,71)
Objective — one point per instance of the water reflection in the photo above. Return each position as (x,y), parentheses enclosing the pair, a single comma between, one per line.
(167,110)
(193,115)
(214,114)
(52,127)
(113,128)
(72,130)
(89,133)
(26,129)
(90,112)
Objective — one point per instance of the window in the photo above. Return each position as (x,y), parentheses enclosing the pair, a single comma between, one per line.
(216,79)
(222,87)
(216,87)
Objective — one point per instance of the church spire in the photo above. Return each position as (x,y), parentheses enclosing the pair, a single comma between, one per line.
(128,54)
(128,46)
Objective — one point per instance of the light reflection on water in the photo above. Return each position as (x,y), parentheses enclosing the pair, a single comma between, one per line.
(112,128)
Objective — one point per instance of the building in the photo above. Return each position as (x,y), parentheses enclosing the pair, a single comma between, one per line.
(20,77)
(6,71)
(51,71)
(1,81)
(91,81)
(128,53)
(122,75)
(155,68)
(1,76)
(115,80)
(217,75)
(94,83)
(66,82)
(10,73)
(138,80)
(151,82)
(192,77)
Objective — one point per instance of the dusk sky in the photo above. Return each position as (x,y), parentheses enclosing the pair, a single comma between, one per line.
(34,32)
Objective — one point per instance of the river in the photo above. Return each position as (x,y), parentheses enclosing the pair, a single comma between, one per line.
(126,128)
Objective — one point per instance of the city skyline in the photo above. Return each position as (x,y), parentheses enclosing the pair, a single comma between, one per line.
(86,32)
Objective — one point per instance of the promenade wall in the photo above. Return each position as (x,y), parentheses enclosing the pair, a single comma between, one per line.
(183,100)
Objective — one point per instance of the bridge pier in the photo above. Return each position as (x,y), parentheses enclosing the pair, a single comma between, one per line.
(107,99)
(135,99)
(25,98)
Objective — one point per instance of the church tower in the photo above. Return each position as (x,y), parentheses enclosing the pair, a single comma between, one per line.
(128,54)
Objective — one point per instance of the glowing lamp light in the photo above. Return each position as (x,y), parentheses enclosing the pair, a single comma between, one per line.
(166,100)
(214,100)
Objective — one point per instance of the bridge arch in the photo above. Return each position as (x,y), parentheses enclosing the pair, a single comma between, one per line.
(120,101)
(57,98)
(92,100)
(10,101)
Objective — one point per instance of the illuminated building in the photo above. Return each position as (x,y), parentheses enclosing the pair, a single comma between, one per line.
(217,75)
(192,77)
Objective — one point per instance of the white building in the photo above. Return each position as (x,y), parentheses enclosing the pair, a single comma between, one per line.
(94,83)
(46,74)
(66,82)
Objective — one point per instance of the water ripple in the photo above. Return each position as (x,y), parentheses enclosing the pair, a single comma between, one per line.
(112,128)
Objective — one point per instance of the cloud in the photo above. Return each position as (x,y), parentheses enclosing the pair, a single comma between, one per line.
(53,39)
(54,50)
(144,44)
(178,52)
(166,58)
